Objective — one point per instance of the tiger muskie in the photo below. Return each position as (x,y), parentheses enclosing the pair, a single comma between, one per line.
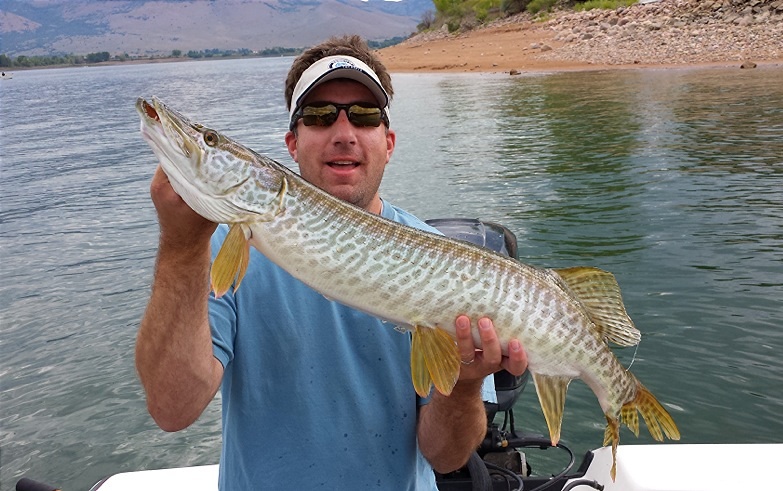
(417,280)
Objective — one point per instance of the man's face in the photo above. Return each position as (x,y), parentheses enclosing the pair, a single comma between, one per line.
(344,160)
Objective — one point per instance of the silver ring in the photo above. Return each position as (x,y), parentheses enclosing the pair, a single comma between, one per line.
(468,362)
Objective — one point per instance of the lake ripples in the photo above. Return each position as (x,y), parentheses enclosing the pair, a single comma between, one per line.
(671,179)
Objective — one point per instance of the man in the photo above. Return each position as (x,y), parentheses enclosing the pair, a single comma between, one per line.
(314,394)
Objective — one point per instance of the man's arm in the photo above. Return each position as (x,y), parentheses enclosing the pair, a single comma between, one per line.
(451,428)
(174,355)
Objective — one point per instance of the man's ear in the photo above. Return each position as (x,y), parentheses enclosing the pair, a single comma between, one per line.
(391,141)
(290,142)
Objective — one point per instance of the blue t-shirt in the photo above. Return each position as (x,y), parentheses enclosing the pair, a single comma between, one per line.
(315,395)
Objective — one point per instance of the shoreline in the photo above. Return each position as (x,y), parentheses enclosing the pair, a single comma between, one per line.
(411,60)
(665,34)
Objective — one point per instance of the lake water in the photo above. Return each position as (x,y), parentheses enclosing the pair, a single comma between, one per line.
(671,179)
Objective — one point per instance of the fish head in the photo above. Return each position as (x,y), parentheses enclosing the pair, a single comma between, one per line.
(220,179)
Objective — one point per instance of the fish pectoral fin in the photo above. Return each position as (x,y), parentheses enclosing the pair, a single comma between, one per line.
(231,262)
(600,294)
(551,392)
(434,360)
(422,381)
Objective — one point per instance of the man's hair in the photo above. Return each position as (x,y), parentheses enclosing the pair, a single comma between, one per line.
(349,45)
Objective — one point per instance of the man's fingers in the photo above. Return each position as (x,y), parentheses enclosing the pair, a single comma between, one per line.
(159,178)
(490,345)
(160,188)
(465,346)
(516,362)
(488,359)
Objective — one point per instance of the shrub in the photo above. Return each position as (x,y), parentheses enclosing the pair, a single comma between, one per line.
(603,4)
(536,6)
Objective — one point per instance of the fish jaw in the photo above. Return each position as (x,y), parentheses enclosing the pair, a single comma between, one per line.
(173,140)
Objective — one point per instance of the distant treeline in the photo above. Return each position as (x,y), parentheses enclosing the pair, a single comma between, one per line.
(34,61)
(104,56)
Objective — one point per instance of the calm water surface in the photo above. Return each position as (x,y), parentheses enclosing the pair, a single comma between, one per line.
(673,180)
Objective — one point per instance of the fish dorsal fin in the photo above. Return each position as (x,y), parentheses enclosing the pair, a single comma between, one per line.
(434,360)
(231,262)
(551,392)
(600,294)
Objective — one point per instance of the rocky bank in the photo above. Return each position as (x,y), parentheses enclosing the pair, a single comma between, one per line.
(672,32)
(654,33)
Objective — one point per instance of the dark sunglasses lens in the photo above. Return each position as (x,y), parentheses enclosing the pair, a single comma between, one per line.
(364,116)
(327,115)
(319,115)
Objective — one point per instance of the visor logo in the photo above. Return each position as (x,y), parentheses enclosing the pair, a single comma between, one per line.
(342,64)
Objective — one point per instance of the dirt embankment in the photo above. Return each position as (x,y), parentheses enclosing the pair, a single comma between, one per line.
(655,34)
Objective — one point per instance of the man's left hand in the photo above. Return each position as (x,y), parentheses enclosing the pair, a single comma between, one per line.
(478,363)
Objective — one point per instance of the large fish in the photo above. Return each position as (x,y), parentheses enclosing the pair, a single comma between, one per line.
(417,280)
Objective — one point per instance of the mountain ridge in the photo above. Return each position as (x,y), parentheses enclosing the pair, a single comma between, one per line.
(146,27)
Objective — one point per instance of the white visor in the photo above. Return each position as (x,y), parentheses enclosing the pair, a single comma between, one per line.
(333,67)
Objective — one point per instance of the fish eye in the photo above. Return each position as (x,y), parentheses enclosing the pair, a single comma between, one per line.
(211,138)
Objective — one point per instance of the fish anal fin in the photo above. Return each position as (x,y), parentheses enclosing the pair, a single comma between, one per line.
(231,261)
(600,294)
(434,360)
(551,392)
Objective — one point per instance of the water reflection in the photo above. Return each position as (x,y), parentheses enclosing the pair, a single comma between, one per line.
(740,117)
(570,139)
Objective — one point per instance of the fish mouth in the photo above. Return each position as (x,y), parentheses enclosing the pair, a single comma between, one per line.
(148,109)
(172,138)
(167,127)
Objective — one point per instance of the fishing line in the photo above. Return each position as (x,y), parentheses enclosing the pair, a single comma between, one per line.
(633,359)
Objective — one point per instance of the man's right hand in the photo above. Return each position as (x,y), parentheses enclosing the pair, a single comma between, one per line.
(180,226)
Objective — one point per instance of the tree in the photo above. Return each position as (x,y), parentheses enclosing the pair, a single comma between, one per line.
(98,57)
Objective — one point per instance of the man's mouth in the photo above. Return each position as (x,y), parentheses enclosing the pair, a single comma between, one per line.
(342,164)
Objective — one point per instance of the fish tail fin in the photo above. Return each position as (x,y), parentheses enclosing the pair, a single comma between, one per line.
(231,261)
(434,360)
(659,422)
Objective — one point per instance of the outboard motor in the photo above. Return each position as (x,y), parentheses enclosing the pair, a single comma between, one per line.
(485,234)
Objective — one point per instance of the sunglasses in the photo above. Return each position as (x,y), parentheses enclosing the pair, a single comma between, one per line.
(326,113)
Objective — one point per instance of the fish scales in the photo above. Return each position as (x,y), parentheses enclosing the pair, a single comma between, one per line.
(419,281)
